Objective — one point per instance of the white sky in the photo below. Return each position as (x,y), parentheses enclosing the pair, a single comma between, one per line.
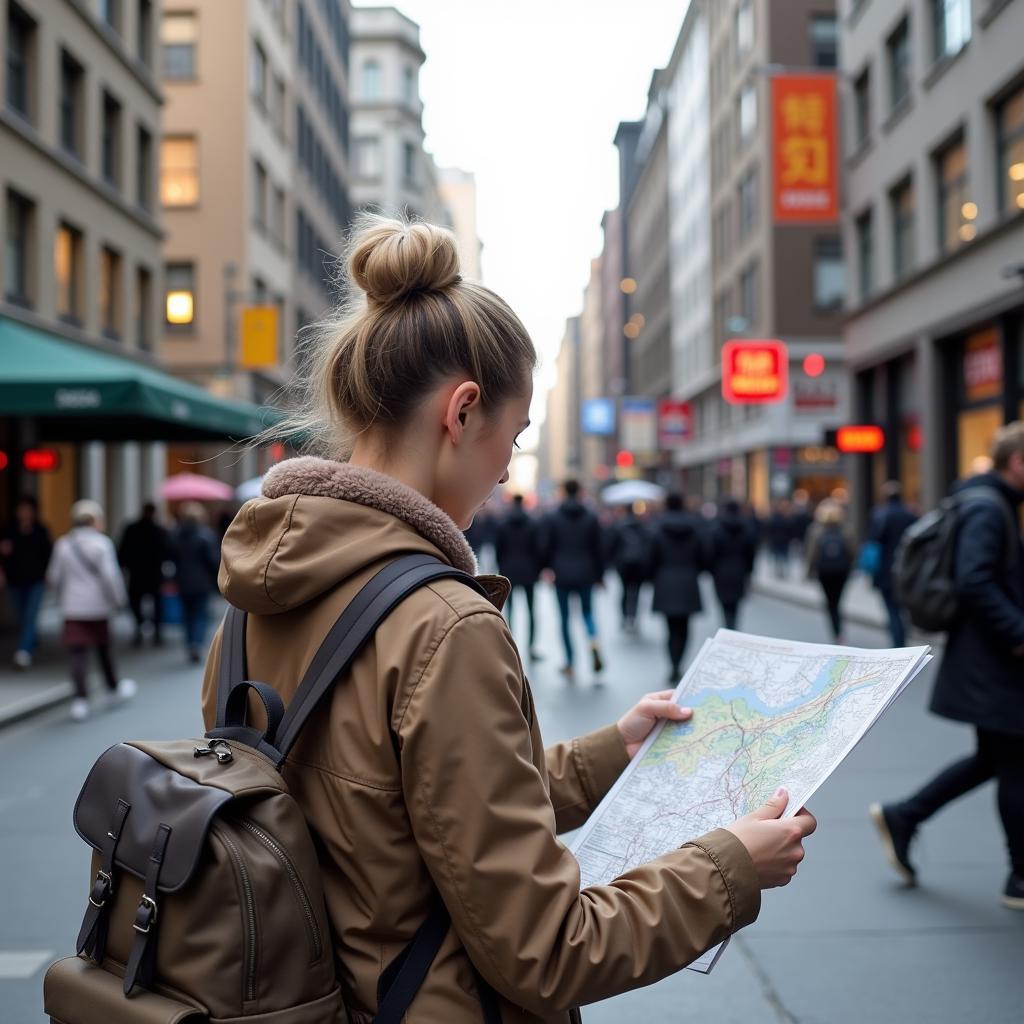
(527,96)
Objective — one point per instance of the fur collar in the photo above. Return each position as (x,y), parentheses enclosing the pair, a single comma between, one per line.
(326,478)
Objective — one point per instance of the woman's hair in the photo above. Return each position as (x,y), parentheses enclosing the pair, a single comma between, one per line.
(829,512)
(86,513)
(408,321)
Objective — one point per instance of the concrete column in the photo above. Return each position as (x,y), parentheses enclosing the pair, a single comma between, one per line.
(94,473)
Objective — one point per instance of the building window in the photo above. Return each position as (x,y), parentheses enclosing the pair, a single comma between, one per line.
(744,28)
(904,204)
(747,112)
(259,195)
(144,168)
(110,292)
(144,33)
(862,107)
(829,275)
(408,163)
(957,214)
(1010,129)
(368,162)
(748,202)
(371,80)
(20,42)
(409,85)
(110,156)
(110,13)
(71,89)
(824,33)
(180,296)
(277,215)
(277,106)
(179,171)
(898,50)
(951,26)
(258,75)
(748,295)
(865,255)
(67,270)
(18,249)
(143,308)
(178,36)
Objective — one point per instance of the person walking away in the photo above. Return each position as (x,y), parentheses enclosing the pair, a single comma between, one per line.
(143,550)
(575,557)
(25,550)
(196,561)
(889,521)
(517,549)
(732,552)
(630,553)
(778,533)
(679,555)
(423,772)
(85,574)
(800,520)
(979,681)
(830,560)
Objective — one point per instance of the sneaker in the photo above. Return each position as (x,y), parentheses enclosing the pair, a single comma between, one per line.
(79,709)
(535,655)
(595,658)
(194,655)
(22,659)
(126,689)
(896,837)
(567,671)
(1013,894)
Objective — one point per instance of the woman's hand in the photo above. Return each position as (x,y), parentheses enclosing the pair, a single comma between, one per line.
(635,725)
(775,845)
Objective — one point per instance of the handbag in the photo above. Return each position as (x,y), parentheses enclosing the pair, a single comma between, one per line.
(870,560)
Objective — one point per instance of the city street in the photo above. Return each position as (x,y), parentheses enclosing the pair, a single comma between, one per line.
(844,944)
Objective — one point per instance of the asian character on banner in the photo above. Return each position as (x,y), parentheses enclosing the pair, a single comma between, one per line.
(804,122)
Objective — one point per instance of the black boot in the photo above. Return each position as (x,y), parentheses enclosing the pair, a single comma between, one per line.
(896,835)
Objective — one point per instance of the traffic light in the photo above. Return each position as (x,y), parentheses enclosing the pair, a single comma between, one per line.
(624,459)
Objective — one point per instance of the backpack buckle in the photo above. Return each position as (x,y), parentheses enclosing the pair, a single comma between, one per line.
(102,889)
(223,756)
(145,915)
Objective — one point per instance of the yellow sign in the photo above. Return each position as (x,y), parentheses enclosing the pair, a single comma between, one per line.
(259,337)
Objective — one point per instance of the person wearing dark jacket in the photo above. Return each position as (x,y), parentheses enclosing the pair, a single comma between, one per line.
(196,561)
(517,549)
(679,555)
(830,554)
(980,679)
(142,552)
(733,548)
(573,551)
(889,521)
(778,535)
(630,553)
(25,550)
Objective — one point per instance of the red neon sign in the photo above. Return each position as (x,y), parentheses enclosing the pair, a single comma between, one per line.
(40,460)
(860,439)
(3,460)
(754,372)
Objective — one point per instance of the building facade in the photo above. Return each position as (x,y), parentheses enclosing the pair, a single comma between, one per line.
(934,230)
(561,434)
(458,194)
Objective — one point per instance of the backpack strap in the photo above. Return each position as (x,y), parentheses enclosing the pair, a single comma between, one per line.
(141,964)
(92,937)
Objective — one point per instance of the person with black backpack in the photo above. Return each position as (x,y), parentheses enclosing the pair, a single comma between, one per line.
(830,554)
(630,553)
(971,548)
(732,554)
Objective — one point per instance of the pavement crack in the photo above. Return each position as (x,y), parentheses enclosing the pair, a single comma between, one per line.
(768,989)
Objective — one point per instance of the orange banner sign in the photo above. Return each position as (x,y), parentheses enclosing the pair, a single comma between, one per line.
(806,168)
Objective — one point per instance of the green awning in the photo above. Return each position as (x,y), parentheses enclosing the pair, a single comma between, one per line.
(82,394)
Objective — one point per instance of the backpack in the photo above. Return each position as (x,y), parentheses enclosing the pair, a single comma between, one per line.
(833,555)
(206,903)
(634,548)
(923,566)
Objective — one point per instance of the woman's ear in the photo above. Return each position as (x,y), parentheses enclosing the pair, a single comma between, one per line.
(464,398)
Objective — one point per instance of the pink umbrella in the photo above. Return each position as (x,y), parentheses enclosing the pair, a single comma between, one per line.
(193,487)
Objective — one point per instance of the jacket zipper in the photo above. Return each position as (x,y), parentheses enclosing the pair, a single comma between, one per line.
(250,913)
(268,841)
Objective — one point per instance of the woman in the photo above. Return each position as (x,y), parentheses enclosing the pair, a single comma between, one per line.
(24,555)
(85,574)
(424,771)
(733,550)
(830,555)
(195,554)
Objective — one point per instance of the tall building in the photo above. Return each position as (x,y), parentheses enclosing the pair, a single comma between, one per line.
(393,173)
(84,408)
(934,233)
(458,194)
(592,374)
(561,437)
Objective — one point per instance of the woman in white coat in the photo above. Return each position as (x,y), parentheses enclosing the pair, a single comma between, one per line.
(87,579)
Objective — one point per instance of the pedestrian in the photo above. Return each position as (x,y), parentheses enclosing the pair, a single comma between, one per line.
(517,549)
(830,559)
(889,521)
(196,557)
(778,534)
(679,554)
(630,553)
(423,773)
(979,681)
(480,535)
(25,550)
(574,553)
(732,553)
(143,550)
(800,519)
(86,576)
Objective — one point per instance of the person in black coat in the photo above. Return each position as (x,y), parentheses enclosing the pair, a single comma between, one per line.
(733,549)
(25,549)
(889,521)
(517,549)
(196,561)
(981,679)
(142,552)
(778,535)
(574,553)
(679,555)
(629,551)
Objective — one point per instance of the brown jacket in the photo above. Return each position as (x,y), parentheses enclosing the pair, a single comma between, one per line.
(427,767)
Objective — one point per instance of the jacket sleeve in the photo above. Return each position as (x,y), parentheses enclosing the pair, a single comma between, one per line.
(981,560)
(485,827)
(580,773)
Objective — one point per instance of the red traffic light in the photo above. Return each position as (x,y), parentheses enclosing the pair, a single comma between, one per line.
(814,364)
(860,439)
(41,460)
(624,459)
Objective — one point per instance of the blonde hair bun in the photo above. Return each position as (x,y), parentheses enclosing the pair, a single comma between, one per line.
(391,260)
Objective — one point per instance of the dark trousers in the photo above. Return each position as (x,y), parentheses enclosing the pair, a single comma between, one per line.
(678,635)
(999,756)
(80,668)
(833,586)
(137,594)
(527,589)
(896,624)
(193,608)
(730,613)
(586,599)
(631,584)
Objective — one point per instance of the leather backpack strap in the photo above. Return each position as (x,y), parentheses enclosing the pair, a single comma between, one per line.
(232,668)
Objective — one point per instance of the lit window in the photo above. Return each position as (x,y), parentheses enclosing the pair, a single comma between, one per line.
(67,268)
(957,214)
(179,171)
(1010,121)
(179,301)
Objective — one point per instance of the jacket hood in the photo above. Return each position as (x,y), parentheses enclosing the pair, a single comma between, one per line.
(322,522)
